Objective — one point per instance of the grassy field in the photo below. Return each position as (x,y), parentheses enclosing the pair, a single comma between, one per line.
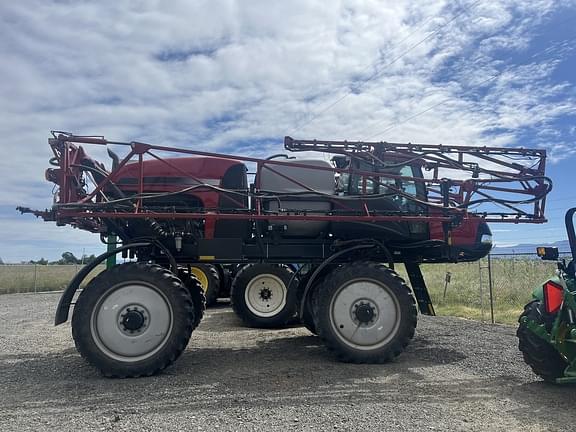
(37,278)
(513,280)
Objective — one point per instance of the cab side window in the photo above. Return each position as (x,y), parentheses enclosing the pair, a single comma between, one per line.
(408,186)
(354,184)
(357,181)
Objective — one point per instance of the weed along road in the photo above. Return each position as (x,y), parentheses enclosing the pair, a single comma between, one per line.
(455,375)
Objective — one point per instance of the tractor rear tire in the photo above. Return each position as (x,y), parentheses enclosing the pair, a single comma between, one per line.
(544,360)
(265,295)
(133,320)
(209,279)
(364,313)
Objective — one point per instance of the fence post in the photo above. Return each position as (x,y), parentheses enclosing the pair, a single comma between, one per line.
(481,283)
(35,278)
(490,287)
(447,279)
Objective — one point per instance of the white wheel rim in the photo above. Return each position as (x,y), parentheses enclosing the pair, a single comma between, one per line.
(382,313)
(265,295)
(109,322)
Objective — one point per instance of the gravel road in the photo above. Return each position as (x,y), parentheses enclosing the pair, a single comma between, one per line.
(456,375)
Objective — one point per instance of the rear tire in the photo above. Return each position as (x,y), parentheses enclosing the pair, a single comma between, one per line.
(226,277)
(308,315)
(197,295)
(365,313)
(544,360)
(261,295)
(133,320)
(209,280)
(307,318)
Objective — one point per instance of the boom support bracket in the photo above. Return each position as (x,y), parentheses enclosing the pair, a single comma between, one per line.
(420,289)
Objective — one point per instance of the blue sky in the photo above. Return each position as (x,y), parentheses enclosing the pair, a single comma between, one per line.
(236,76)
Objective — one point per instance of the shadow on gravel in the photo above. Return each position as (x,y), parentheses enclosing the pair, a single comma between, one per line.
(292,370)
(283,368)
(538,397)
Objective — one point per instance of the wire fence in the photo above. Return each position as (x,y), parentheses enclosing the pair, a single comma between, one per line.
(494,289)
(30,278)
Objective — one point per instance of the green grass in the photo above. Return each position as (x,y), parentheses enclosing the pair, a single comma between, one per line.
(30,278)
(513,280)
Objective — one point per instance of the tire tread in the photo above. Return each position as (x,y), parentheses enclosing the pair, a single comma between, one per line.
(544,360)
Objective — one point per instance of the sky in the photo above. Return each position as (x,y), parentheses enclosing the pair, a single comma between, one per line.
(237,76)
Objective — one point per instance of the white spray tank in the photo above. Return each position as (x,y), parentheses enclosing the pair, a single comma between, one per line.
(321,181)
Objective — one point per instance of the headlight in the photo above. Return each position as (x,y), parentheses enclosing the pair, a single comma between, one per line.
(486,239)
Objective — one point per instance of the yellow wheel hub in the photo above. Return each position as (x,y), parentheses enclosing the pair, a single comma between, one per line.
(201,276)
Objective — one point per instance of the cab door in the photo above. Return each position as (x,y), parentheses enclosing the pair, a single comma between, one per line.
(413,194)
(385,196)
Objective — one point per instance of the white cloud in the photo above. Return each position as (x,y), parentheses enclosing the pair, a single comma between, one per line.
(208,74)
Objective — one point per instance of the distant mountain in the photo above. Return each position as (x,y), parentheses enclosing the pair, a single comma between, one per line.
(562,246)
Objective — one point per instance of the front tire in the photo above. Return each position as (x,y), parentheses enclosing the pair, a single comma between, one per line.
(265,295)
(544,360)
(365,313)
(133,320)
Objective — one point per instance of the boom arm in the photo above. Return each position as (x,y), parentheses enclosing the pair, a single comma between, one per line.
(499,183)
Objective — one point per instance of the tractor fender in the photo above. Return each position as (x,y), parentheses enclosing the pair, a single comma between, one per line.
(63,308)
(324,265)
(538,292)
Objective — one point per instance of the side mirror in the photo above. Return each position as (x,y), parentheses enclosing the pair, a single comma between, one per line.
(341,161)
(548,253)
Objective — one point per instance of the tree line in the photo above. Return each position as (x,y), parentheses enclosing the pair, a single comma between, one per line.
(67,258)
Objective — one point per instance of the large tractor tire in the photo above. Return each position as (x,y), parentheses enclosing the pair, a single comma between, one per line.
(544,360)
(209,279)
(197,295)
(226,276)
(265,295)
(307,318)
(365,313)
(133,320)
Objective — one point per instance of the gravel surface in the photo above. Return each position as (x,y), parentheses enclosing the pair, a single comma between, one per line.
(456,375)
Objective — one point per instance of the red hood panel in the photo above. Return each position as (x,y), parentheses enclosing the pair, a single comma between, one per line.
(199,167)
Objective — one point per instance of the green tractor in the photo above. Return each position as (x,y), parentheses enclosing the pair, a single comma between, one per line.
(547,330)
